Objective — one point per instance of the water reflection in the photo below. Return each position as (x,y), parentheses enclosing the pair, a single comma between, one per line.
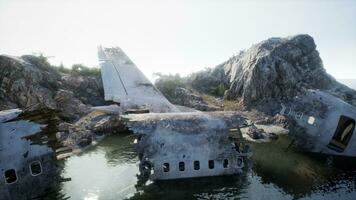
(303,174)
(109,170)
(201,188)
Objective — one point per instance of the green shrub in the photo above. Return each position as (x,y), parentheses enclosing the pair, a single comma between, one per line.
(38,61)
(79,69)
(168,83)
(208,81)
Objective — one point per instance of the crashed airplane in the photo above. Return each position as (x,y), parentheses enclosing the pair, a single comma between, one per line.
(171,144)
(325,124)
(27,157)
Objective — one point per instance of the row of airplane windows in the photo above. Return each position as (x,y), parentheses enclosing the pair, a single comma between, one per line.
(10,175)
(196,165)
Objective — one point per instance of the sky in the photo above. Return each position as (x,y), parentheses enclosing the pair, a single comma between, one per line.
(175,36)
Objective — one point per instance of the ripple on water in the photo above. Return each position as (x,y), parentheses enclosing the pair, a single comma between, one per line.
(109,170)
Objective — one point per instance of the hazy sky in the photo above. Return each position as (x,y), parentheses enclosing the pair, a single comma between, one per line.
(175,36)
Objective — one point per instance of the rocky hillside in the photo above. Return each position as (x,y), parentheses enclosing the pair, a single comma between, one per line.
(30,81)
(270,72)
(280,68)
(266,74)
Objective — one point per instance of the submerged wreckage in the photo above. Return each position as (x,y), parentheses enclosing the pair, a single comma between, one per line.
(325,124)
(27,156)
(171,144)
(186,145)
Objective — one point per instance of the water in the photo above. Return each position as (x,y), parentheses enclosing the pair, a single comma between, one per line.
(108,171)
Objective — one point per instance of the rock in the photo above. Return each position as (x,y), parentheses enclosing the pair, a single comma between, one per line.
(61,136)
(24,85)
(255,133)
(86,88)
(277,68)
(30,81)
(273,136)
(187,98)
(109,124)
(280,69)
(85,142)
(72,108)
(280,120)
(272,72)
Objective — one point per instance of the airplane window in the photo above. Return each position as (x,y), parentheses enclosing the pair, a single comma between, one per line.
(226,163)
(343,134)
(36,168)
(166,167)
(311,120)
(181,166)
(196,165)
(211,164)
(10,176)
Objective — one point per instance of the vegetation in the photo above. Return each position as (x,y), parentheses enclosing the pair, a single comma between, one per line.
(79,69)
(167,84)
(38,61)
(232,105)
(41,62)
(208,81)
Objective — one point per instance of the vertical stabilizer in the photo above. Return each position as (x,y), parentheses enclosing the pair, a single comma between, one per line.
(124,83)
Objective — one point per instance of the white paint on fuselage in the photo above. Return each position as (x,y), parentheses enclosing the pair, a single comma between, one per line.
(323,130)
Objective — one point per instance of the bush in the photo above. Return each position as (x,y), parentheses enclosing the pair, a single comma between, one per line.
(38,61)
(208,81)
(79,69)
(64,70)
(167,84)
(42,63)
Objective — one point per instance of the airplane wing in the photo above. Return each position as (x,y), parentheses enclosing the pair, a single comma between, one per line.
(124,83)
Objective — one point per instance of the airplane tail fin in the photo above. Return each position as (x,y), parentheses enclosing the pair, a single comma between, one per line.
(124,83)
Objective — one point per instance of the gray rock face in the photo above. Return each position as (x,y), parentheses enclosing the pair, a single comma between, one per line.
(186,98)
(255,133)
(71,107)
(277,69)
(23,85)
(88,89)
(30,82)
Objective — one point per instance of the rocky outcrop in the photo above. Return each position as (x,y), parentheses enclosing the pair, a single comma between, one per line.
(271,72)
(187,98)
(280,68)
(30,81)
(71,107)
(88,89)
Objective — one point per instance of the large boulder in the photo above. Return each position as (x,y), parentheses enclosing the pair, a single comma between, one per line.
(30,81)
(88,89)
(278,69)
(269,73)
(23,84)
(71,107)
(186,97)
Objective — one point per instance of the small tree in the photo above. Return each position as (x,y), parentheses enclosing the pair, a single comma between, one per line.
(80,69)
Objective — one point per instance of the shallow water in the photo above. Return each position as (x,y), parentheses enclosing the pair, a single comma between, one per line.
(108,171)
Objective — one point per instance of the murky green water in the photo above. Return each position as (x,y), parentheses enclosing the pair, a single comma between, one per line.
(109,170)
